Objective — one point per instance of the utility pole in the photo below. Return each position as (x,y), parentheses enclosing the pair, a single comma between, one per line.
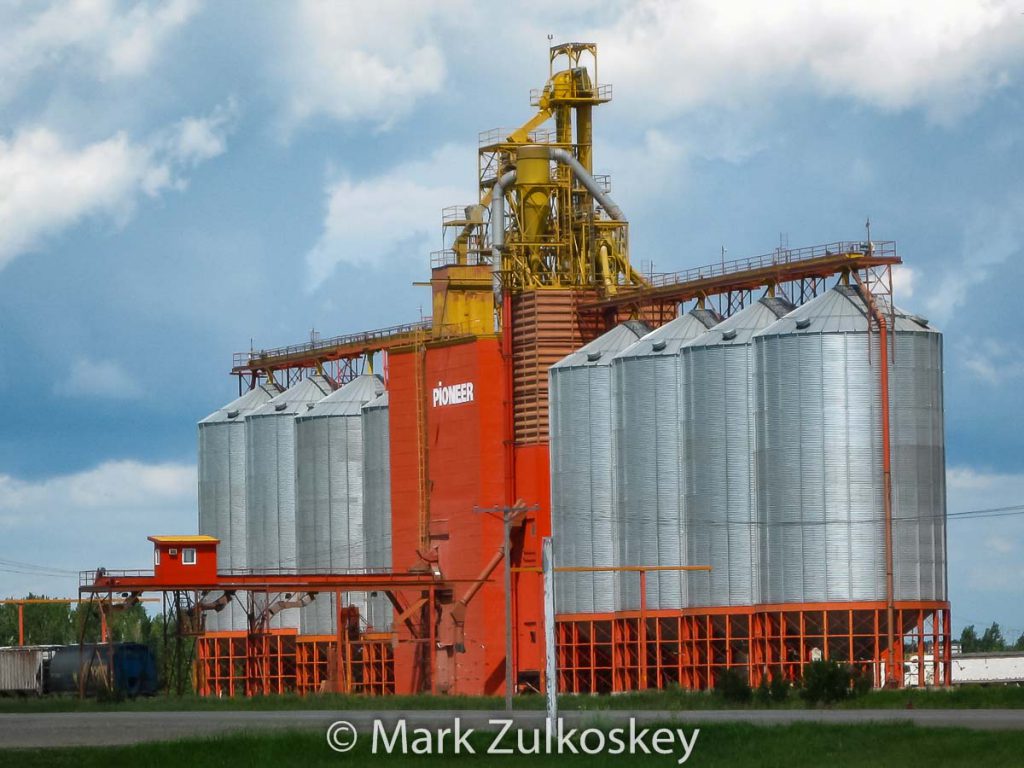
(509,516)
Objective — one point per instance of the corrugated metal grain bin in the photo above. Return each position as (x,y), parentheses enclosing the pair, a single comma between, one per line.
(222,505)
(717,421)
(820,455)
(582,471)
(377,502)
(329,494)
(270,481)
(647,446)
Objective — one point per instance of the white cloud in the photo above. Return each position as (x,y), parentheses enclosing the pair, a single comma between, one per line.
(943,56)
(48,183)
(393,216)
(994,363)
(197,139)
(355,61)
(992,236)
(97,517)
(98,378)
(104,37)
(903,280)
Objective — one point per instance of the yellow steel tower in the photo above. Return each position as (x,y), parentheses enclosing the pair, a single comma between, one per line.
(544,220)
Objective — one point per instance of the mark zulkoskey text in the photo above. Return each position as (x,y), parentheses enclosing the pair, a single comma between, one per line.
(508,739)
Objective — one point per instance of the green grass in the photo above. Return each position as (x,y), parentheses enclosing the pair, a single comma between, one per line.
(734,745)
(963,697)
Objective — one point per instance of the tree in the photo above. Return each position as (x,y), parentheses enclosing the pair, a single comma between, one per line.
(44,623)
(993,639)
(969,640)
(1019,645)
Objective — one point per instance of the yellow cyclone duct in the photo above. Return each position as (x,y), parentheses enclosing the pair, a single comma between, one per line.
(533,182)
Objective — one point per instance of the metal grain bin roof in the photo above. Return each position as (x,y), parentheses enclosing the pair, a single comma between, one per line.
(298,399)
(349,400)
(602,349)
(840,310)
(240,407)
(666,340)
(739,328)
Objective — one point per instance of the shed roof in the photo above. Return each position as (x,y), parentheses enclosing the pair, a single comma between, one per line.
(187,539)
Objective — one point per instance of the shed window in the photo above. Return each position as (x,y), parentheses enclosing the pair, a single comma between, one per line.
(188,556)
(156,556)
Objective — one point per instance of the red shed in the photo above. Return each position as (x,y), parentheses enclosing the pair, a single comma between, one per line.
(185,559)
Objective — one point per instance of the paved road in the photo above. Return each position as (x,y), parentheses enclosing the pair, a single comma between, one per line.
(103,728)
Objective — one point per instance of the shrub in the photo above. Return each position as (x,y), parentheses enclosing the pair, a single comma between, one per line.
(779,687)
(773,688)
(826,682)
(733,686)
(863,681)
(763,692)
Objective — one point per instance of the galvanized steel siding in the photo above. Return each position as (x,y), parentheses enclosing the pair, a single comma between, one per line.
(329,495)
(819,460)
(270,482)
(648,461)
(716,396)
(377,502)
(222,494)
(919,468)
(582,472)
(820,456)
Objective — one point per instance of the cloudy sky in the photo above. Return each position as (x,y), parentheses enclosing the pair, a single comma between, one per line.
(181,179)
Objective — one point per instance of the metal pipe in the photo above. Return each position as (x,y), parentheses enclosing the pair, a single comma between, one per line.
(588,181)
(498,228)
(883,364)
(498,207)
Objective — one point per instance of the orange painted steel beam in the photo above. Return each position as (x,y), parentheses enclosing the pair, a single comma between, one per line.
(749,274)
(64,600)
(610,568)
(352,582)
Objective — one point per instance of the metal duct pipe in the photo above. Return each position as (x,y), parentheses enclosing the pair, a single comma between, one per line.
(588,181)
(498,228)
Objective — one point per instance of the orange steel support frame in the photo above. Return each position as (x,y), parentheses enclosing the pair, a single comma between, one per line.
(294,664)
(604,653)
(267,661)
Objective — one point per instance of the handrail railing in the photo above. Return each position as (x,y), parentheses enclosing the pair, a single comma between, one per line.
(256,357)
(85,578)
(778,257)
